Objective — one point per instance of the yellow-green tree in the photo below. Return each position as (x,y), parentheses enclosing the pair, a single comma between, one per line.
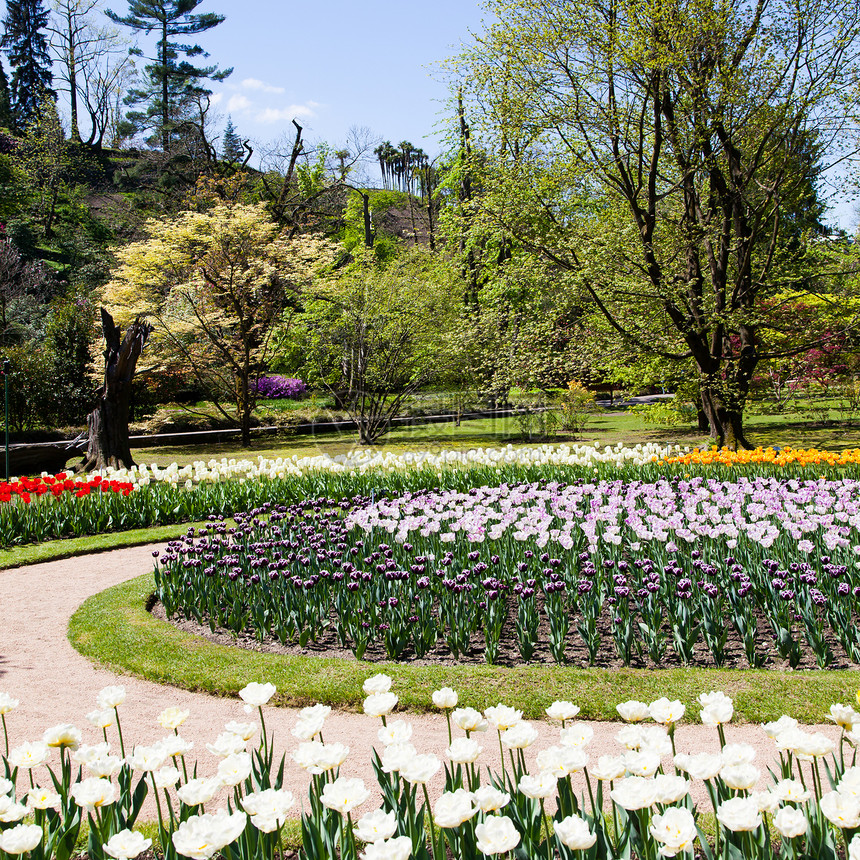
(215,284)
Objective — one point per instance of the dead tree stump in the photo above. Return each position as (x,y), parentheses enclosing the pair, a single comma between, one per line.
(107,424)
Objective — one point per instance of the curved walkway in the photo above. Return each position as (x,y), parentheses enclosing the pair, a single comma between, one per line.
(55,684)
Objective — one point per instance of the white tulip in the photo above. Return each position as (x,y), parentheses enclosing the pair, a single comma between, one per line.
(445,698)
(63,736)
(110,697)
(674,829)
(790,822)
(573,832)
(198,791)
(20,839)
(633,711)
(635,792)
(453,808)
(343,795)
(490,798)
(172,718)
(739,814)
(541,786)
(501,717)
(126,844)
(496,834)
(380,704)
(562,711)
(376,826)
(256,694)
(396,732)
(376,684)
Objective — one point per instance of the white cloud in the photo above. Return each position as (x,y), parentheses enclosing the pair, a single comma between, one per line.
(238,102)
(254,84)
(270,115)
(216,98)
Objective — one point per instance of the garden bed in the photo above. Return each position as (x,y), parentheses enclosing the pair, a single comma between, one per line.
(328,646)
(701,573)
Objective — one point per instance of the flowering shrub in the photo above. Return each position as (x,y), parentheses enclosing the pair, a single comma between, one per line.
(672,564)
(280,388)
(635,803)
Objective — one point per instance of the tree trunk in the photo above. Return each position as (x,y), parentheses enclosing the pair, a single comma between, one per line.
(701,415)
(107,424)
(368,224)
(725,416)
(246,407)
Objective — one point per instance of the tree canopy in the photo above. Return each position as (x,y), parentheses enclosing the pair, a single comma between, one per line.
(667,154)
(26,44)
(215,284)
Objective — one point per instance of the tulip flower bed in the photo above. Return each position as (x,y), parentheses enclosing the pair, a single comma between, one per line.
(565,801)
(705,572)
(65,505)
(147,495)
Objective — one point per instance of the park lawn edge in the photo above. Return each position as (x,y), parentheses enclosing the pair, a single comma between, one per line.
(114,629)
(59,548)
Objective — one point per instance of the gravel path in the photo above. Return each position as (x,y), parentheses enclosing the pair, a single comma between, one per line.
(55,684)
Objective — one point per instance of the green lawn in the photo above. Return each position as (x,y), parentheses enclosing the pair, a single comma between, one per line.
(607,427)
(114,629)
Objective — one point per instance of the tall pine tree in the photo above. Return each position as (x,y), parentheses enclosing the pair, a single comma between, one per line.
(170,83)
(5,101)
(232,147)
(26,45)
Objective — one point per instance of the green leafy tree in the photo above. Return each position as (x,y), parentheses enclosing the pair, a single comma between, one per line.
(45,161)
(373,333)
(660,153)
(171,83)
(26,45)
(69,340)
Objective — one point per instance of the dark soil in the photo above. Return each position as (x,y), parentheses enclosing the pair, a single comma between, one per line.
(328,645)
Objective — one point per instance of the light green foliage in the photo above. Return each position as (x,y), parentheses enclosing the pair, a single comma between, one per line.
(44,161)
(666,157)
(379,202)
(664,413)
(522,333)
(375,332)
(577,404)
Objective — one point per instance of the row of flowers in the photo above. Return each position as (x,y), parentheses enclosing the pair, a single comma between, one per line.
(561,801)
(62,505)
(360,462)
(66,505)
(781,457)
(54,486)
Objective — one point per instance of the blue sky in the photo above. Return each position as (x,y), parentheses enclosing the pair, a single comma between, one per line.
(334,65)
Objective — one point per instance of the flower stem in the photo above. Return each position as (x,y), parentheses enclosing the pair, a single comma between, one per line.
(119,729)
(430,819)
